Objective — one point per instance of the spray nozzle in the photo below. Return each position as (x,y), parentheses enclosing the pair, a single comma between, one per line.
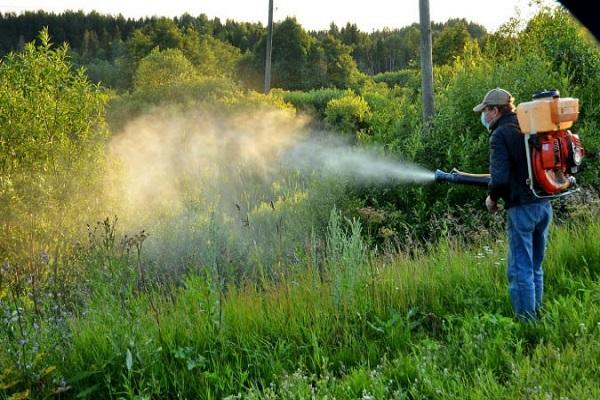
(456,176)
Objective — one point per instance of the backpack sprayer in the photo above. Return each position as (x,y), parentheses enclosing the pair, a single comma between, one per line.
(553,152)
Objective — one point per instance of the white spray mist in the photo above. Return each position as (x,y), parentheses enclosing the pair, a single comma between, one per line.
(337,158)
(186,176)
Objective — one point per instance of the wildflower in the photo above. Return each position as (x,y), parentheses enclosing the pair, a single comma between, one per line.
(21,342)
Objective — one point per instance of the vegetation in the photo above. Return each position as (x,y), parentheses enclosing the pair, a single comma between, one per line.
(110,47)
(50,112)
(227,268)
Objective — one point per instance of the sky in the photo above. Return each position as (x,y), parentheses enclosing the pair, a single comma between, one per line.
(311,14)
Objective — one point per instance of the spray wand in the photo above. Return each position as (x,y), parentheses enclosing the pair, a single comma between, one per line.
(456,176)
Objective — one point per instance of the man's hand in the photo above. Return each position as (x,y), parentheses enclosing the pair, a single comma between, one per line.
(491,205)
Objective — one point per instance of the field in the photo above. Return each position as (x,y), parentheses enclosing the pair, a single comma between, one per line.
(180,235)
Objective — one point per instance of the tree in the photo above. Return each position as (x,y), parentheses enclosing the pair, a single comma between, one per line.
(350,34)
(341,67)
(450,42)
(89,46)
(291,45)
(52,134)
(210,56)
(161,33)
(162,68)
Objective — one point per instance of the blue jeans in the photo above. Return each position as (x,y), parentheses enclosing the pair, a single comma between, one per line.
(527,234)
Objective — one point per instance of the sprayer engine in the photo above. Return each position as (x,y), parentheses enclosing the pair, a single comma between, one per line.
(555,156)
(554,153)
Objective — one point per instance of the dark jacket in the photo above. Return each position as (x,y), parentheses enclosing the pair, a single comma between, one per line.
(508,163)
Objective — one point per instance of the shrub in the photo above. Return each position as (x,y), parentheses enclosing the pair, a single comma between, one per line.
(52,136)
(313,102)
(348,114)
(405,77)
(163,68)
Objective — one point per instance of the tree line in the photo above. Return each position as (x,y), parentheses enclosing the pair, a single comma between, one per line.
(111,47)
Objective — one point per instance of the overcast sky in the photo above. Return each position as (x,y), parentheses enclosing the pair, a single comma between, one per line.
(312,14)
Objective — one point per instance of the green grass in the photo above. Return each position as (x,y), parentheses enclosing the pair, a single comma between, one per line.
(437,325)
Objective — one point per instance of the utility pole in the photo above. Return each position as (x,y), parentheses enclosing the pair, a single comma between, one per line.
(426,65)
(269,49)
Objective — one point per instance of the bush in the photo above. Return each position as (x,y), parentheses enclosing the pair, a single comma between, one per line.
(127,107)
(405,77)
(313,102)
(163,68)
(348,114)
(52,137)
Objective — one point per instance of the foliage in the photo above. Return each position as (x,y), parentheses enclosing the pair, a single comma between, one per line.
(110,74)
(457,139)
(52,156)
(313,102)
(211,57)
(212,93)
(113,45)
(450,42)
(401,78)
(161,33)
(275,283)
(52,140)
(291,47)
(341,70)
(161,68)
(435,325)
(347,114)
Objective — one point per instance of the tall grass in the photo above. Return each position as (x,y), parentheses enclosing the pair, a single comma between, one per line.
(437,325)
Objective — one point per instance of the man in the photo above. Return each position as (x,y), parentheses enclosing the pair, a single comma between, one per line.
(528,217)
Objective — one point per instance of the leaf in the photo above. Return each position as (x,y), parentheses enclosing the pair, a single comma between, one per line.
(375,328)
(128,360)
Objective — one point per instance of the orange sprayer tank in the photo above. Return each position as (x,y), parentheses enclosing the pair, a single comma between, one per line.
(547,114)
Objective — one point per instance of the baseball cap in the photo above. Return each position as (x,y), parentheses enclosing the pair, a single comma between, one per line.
(495,97)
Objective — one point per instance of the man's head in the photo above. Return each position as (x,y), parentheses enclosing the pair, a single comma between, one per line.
(495,103)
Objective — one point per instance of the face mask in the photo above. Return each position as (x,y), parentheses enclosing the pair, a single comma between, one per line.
(484,122)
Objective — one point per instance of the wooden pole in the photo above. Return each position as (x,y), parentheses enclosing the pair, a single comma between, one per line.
(426,64)
(269,49)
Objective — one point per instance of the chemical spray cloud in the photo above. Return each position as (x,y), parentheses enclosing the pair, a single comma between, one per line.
(336,157)
(165,155)
(171,157)
(197,180)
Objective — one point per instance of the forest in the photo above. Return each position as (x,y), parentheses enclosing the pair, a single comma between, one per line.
(110,47)
(168,230)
